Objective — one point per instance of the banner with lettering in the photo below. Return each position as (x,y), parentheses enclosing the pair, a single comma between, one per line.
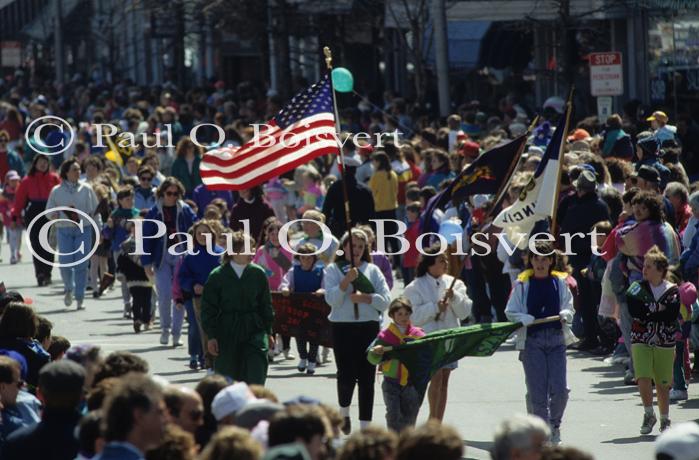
(302,315)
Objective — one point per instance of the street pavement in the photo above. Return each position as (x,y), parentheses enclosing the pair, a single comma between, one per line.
(603,416)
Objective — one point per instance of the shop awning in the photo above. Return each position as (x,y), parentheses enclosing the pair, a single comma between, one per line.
(41,28)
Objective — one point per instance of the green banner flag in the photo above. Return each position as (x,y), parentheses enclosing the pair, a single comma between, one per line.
(425,356)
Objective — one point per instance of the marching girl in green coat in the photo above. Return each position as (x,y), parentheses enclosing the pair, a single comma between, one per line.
(237,315)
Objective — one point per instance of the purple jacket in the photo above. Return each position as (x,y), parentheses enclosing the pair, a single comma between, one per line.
(381,260)
(202,196)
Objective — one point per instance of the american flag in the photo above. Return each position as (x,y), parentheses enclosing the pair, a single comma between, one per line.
(301,131)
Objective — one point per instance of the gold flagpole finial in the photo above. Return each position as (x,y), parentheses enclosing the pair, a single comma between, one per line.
(533,124)
(328,57)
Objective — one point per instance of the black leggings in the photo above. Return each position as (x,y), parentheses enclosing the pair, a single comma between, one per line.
(42,270)
(350,341)
(141,296)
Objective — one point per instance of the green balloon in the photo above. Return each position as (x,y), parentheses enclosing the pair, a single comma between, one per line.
(343,82)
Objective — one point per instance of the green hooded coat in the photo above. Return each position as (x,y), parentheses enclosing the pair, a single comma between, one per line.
(238,313)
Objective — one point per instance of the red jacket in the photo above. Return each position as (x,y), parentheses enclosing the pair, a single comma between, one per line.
(36,187)
(411,256)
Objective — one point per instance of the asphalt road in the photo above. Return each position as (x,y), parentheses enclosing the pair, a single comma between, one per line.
(603,416)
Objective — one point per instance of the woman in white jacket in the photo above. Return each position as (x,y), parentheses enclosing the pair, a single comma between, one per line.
(74,241)
(541,292)
(357,296)
(436,307)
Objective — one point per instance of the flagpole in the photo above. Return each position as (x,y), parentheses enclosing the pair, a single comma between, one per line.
(500,196)
(329,64)
(510,171)
(548,319)
(569,110)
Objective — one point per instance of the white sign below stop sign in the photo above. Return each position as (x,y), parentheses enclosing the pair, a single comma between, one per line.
(606,74)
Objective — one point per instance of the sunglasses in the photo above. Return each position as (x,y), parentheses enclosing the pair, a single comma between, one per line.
(196,414)
(147,178)
(169,193)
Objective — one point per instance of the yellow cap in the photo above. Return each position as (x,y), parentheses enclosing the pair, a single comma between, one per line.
(658,115)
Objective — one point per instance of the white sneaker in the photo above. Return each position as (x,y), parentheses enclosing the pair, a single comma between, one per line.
(176,341)
(68,298)
(326,355)
(555,436)
(164,337)
(311,369)
(678,395)
(302,365)
(289,355)
(80,305)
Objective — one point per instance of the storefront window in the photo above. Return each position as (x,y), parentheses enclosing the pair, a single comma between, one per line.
(673,46)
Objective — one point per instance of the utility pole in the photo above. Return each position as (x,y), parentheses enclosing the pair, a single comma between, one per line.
(59,55)
(273,85)
(439,27)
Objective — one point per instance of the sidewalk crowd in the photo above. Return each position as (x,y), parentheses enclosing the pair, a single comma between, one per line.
(632,178)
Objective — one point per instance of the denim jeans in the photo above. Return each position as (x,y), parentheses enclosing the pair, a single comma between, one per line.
(193,337)
(170,317)
(14,238)
(625,322)
(74,245)
(125,295)
(678,378)
(544,361)
(402,404)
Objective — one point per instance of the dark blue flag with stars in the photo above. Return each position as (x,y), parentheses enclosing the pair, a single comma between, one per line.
(313,100)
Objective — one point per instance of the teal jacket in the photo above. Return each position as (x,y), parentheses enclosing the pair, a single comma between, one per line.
(181,172)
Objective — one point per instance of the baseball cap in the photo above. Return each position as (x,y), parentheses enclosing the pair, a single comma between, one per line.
(658,115)
(680,442)
(366,149)
(231,399)
(12,174)
(470,149)
(586,180)
(556,103)
(649,174)
(256,411)
(579,135)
